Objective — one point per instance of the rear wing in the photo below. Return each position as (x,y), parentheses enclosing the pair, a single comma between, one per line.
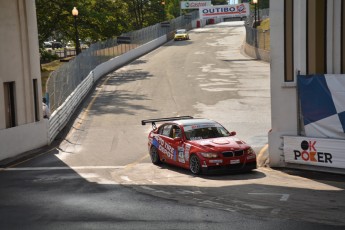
(153,121)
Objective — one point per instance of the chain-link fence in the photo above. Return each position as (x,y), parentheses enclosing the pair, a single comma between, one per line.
(64,80)
(258,38)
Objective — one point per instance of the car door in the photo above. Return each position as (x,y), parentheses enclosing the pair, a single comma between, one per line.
(166,151)
(175,140)
(169,141)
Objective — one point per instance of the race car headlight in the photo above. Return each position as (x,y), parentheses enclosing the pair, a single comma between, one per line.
(209,155)
(250,151)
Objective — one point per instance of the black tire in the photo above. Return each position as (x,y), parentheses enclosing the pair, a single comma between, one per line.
(155,156)
(194,165)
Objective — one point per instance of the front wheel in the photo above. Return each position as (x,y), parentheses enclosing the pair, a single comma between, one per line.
(155,156)
(194,165)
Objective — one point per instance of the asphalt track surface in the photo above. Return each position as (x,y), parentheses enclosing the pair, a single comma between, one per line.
(100,175)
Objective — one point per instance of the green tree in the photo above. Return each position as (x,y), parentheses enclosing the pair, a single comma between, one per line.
(264,4)
(104,19)
(172,8)
(54,19)
(97,20)
(146,12)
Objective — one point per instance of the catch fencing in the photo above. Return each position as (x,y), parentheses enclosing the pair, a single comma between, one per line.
(258,38)
(65,80)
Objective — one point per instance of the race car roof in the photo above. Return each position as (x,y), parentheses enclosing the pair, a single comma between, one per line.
(181,31)
(195,121)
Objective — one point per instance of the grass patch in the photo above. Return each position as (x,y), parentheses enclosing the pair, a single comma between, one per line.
(46,69)
(264,34)
(264,25)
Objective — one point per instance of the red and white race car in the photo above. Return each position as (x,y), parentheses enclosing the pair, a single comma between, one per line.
(200,145)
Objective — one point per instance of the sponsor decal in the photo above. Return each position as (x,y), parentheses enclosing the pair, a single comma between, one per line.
(225,10)
(324,152)
(194,4)
(236,161)
(191,127)
(231,9)
(308,152)
(241,8)
(216,161)
(164,147)
(195,138)
(186,151)
(181,154)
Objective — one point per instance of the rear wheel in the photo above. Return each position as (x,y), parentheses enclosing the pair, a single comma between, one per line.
(155,156)
(194,165)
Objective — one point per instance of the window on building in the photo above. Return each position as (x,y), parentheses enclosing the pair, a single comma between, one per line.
(36,101)
(10,105)
(342,37)
(288,43)
(316,36)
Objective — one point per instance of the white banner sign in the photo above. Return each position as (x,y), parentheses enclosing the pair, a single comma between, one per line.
(314,151)
(194,4)
(237,10)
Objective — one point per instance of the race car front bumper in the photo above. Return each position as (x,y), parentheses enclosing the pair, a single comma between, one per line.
(242,167)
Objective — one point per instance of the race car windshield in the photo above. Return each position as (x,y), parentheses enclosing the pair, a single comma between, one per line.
(206,133)
(181,32)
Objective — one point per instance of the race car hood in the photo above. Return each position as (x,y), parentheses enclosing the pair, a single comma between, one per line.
(220,144)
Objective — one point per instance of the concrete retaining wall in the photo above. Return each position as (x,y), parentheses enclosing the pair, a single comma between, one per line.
(256,53)
(46,130)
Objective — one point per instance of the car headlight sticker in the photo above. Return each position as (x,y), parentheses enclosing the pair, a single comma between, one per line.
(209,155)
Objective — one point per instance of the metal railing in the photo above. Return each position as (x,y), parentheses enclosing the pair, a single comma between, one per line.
(64,80)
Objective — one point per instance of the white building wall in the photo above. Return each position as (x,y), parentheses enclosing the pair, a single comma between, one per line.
(334,31)
(19,62)
(283,111)
(284,99)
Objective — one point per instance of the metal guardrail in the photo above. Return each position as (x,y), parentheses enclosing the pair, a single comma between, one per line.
(65,80)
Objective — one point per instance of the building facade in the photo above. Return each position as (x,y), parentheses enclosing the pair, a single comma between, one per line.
(307,38)
(22,127)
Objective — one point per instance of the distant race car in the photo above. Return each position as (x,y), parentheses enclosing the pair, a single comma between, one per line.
(200,145)
(181,34)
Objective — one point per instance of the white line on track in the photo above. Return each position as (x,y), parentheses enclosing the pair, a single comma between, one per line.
(283,196)
(126,178)
(60,168)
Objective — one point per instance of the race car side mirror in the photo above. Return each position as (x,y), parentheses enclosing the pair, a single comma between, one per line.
(233,133)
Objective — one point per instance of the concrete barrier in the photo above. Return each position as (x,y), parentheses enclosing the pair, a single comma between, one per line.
(256,53)
(62,115)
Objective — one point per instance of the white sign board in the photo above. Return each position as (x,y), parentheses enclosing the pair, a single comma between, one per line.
(314,151)
(237,10)
(194,4)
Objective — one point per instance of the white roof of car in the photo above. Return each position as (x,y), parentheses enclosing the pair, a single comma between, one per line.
(195,121)
(181,31)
